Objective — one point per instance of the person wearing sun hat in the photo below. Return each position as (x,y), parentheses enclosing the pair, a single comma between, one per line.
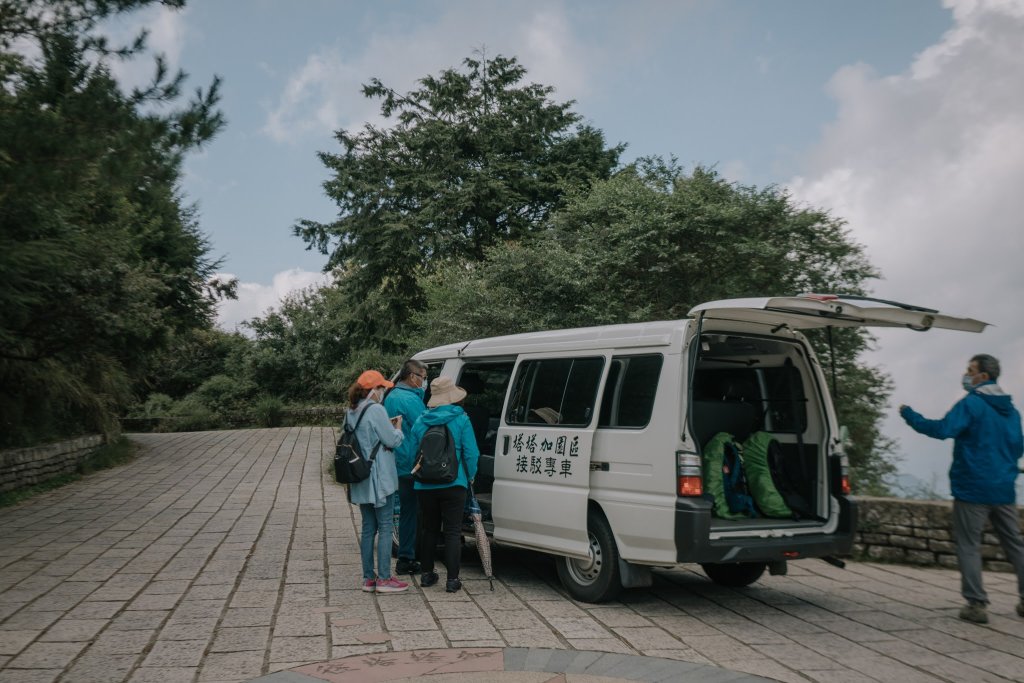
(445,502)
(376,494)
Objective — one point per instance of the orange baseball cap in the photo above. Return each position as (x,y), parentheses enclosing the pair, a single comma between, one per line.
(371,379)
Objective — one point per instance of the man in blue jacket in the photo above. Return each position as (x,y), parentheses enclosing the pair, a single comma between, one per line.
(406,399)
(986,429)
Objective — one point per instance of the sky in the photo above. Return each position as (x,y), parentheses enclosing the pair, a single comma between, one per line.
(906,119)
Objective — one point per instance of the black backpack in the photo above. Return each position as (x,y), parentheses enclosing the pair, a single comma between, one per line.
(436,461)
(350,466)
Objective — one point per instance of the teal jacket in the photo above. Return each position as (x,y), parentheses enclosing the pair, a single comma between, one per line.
(465,441)
(408,402)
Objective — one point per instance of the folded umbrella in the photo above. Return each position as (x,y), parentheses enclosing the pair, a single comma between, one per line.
(483,544)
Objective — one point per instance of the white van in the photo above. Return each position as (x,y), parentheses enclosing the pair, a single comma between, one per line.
(591,439)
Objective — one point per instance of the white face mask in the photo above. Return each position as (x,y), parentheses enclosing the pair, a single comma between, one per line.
(378,394)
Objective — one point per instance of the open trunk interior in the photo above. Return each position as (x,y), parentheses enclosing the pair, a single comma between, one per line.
(745,384)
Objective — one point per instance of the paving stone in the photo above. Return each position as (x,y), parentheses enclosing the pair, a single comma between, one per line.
(601,645)
(163,675)
(290,649)
(647,638)
(530,637)
(468,629)
(248,616)
(409,620)
(176,653)
(100,668)
(46,656)
(29,675)
(241,639)
(142,620)
(187,629)
(417,640)
(73,630)
(13,642)
(300,625)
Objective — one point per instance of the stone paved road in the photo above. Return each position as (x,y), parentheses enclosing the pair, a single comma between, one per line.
(223,556)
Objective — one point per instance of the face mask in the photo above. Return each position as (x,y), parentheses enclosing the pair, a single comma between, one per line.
(967,381)
(378,394)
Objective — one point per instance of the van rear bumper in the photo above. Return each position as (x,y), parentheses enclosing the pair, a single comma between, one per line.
(693,543)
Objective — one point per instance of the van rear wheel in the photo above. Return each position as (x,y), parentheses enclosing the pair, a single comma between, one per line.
(596,578)
(735,574)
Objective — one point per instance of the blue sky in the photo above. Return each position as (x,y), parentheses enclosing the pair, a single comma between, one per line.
(905,118)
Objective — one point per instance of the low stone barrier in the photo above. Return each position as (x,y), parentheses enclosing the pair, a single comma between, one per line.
(27,466)
(917,532)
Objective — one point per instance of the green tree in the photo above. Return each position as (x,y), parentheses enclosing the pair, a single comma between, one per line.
(472,158)
(649,244)
(102,261)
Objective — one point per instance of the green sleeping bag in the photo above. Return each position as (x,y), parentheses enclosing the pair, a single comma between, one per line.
(714,483)
(759,476)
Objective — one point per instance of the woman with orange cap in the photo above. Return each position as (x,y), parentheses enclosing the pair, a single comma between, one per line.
(376,494)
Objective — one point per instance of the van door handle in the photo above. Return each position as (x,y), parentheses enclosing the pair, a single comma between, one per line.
(504,446)
(598,466)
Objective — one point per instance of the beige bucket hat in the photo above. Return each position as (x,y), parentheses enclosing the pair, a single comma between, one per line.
(443,391)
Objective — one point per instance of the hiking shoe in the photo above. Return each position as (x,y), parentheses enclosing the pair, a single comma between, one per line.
(428,579)
(369,585)
(404,566)
(452,585)
(1020,608)
(974,611)
(391,585)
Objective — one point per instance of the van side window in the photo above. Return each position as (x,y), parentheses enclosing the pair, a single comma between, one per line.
(555,391)
(629,392)
(485,385)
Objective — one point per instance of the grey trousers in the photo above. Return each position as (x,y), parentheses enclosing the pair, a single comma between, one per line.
(968,521)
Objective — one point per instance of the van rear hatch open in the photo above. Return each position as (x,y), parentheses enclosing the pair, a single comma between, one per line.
(809,311)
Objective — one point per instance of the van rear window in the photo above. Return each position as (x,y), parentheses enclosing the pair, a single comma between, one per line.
(555,391)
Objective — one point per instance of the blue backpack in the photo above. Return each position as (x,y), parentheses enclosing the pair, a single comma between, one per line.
(737,495)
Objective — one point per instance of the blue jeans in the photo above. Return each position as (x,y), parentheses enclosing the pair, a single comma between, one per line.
(377,524)
(408,502)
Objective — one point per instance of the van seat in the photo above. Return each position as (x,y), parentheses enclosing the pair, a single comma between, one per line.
(738,418)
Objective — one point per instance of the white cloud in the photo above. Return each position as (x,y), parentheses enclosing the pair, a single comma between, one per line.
(324,94)
(256,300)
(166,29)
(928,165)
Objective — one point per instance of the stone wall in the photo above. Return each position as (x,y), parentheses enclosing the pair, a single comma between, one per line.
(917,532)
(26,466)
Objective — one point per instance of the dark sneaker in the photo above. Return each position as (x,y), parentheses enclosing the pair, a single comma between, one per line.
(452,586)
(428,579)
(1020,608)
(404,566)
(975,612)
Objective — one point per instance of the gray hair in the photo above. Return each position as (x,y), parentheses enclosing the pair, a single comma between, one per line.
(410,367)
(987,364)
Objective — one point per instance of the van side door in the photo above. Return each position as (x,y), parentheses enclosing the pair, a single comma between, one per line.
(542,465)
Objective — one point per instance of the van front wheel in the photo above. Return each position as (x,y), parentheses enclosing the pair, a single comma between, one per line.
(596,578)
(735,574)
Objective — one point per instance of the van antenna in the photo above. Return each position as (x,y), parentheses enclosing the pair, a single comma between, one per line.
(464,347)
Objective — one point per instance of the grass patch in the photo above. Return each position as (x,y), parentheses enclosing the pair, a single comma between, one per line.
(117,452)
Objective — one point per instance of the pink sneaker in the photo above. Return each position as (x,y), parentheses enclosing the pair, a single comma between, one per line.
(391,585)
(369,585)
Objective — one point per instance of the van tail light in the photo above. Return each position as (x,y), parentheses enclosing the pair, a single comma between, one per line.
(844,482)
(690,482)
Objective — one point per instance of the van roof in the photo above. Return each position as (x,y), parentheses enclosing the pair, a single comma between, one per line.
(660,333)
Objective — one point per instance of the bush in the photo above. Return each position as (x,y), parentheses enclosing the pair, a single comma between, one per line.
(268,411)
(190,415)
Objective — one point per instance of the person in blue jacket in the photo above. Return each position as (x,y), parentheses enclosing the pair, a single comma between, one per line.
(445,502)
(376,494)
(406,400)
(986,429)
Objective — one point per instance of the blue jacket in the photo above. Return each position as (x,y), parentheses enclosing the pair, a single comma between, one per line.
(987,433)
(374,428)
(465,441)
(408,402)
